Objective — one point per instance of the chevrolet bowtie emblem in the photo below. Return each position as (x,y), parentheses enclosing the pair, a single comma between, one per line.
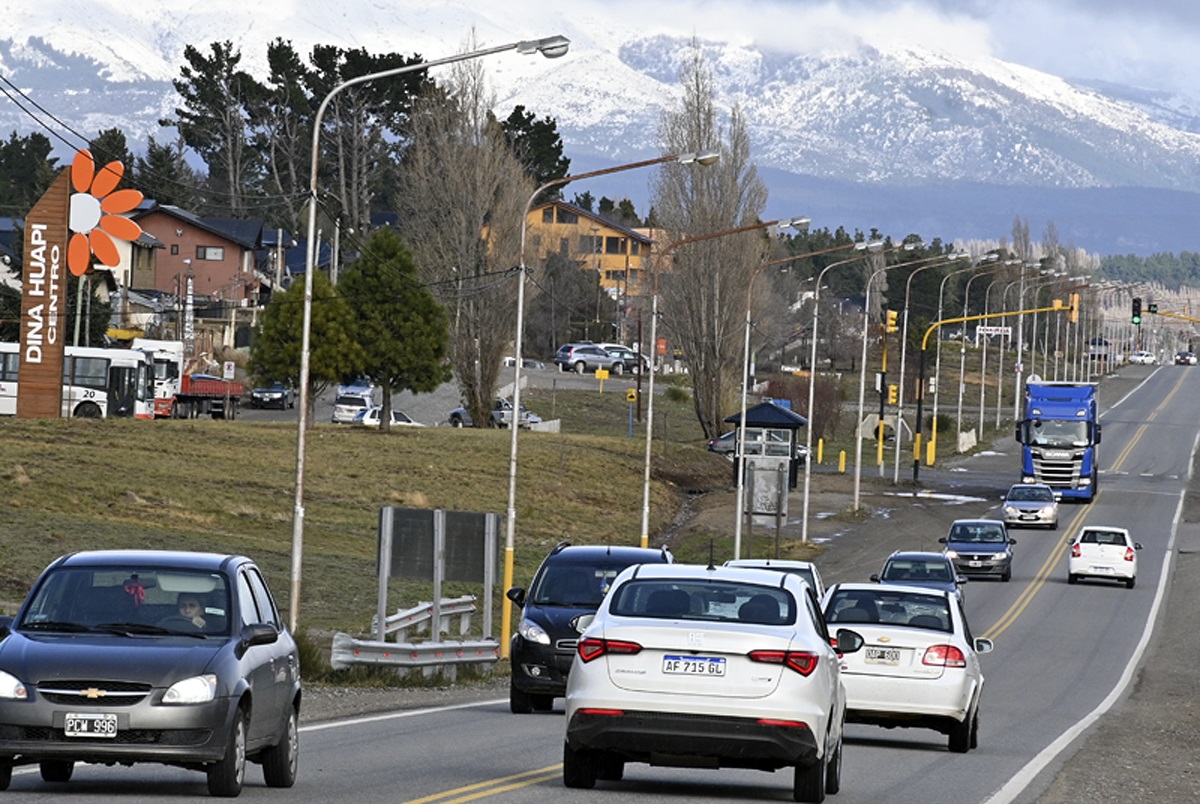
(885,639)
(93,693)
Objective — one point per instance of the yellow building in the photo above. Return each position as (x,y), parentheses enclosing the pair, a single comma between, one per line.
(618,254)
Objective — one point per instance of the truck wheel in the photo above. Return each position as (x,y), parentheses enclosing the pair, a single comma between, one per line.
(88,410)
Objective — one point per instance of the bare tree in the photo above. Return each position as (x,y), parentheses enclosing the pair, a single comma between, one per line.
(703,288)
(461,199)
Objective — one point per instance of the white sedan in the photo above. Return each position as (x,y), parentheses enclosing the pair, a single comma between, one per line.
(919,666)
(1143,358)
(1100,551)
(371,417)
(707,667)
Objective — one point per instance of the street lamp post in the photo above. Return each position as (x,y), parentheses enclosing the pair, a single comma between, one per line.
(658,257)
(518,359)
(962,352)
(871,247)
(550,47)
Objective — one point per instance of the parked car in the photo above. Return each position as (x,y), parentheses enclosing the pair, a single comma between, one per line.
(358,386)
(703,667)
(1143,358)
(100,665)
(631,360)
(347,406)
(500,417)
(1103,552)
(585,357)
(571,582)
(1029,505)
(275,395)
(980,547)
(526,363)
(805,569)
(919,666)
(1185,358)
(920,568)
(372,416)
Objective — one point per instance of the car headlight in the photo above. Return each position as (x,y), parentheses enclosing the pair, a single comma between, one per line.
(11,688)
(1010,510)
(951,554)
(194,690)
(533,632)
(999,556)
(1048,510)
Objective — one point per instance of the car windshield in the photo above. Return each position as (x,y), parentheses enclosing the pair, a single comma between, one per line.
(920,570)
(885,607)
(1030,494)
(704,600)
(977,533)
(129,600)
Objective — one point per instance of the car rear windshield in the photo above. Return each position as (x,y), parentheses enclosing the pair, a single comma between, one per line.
(351,401)
(576,584)
(85,598)
(704,600)
(906,569)
(847,606)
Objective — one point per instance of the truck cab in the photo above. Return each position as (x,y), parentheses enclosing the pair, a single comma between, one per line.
(1059,435)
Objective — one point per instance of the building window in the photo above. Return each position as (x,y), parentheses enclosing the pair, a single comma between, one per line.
(613,245)
(174,249)
(589,244)
(634,247)
(548,215)
(564,247)
(566,216)
(210,253)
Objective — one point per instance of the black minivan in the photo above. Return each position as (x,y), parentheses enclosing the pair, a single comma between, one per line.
(571,582)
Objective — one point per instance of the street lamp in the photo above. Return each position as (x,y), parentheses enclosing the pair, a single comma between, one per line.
(658,257)
(800,224)
(551,47)
(871,247)
(705,159)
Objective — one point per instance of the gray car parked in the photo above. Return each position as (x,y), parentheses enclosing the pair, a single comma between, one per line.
(585,357)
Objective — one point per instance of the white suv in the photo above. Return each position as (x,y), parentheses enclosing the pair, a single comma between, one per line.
(708,667)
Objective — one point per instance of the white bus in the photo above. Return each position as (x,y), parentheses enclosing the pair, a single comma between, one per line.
(97,383)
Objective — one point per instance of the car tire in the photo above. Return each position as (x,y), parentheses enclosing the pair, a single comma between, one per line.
(225,777)
(833,771)
(1072,578)
(1129,582)
(519,702)
(610,768)
(456,421)
(618,369)
(809,782)
(1007,576)
(280,761)
(5,773)
(579,768)
(56,770)
(542,703)
(580,367)
(975,730)
(960,735)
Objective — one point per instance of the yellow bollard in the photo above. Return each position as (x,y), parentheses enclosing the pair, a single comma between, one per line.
(842,462)
(820,450)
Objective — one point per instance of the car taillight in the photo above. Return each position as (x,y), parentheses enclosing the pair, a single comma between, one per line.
(802,661)
(944,656)
(593,648)
(1129,554)
(1076,551)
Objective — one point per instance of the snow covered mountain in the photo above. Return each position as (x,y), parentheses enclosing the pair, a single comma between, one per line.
(901,139)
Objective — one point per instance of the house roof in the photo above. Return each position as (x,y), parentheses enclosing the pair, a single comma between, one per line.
(592,216)
(244,233)
(768,414)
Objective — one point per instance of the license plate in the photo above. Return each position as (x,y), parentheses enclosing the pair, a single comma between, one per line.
(882,656)
(694,665)
(89,725)
(974,563)
(1102,570)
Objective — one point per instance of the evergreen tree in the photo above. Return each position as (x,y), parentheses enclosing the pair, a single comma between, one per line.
(110,145)
(26,171)
(538,146)
(164,176)
(402,329)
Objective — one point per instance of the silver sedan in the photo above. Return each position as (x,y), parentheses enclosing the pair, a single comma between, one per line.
(1031,505)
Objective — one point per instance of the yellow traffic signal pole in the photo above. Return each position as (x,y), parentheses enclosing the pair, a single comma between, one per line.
(1057,307)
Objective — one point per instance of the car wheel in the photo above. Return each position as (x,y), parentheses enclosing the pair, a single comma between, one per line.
(1072,578)
(580,367)
(579,768)
(5,773)
(809,781)
(281,760)
(225,777)
(610,768)
(960,735)
(519,703)
(56,770)
(1007,576)
(456,421)
(975,731)
(833,772)
(542,703)
(1129,582)
(618,369)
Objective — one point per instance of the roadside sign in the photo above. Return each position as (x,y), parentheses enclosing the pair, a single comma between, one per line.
(228,370)
(631,395)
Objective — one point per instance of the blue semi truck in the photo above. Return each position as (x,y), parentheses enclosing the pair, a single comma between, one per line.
(1059,435)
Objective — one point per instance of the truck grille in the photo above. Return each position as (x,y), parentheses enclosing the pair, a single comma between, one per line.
(1061,474)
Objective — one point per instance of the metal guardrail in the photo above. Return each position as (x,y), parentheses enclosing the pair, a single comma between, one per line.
(350,652)
(419,618)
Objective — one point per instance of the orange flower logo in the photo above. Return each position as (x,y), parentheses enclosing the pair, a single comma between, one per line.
(95,216)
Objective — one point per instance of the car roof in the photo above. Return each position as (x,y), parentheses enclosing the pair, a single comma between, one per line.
(635,555)
(887,588)
(1015,486)
(769,562)
(978,521)
(159,559)
(927,555)
(693,571)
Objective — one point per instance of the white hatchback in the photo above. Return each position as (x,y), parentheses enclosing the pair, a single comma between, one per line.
(919,666)
(707,667)
(1100,551)
(805,569)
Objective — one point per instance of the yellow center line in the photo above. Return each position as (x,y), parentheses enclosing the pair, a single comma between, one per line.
(492,786)
(1043,574)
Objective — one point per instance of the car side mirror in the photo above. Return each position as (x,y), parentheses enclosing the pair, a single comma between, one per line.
(1137,545)
(1012,541)
(256,634)
(516,595)
(942,540)
(5,625)
(960,580)
(583,621)
(875,578)
(983,645)
(848,641)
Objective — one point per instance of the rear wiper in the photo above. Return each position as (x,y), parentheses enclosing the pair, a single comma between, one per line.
(54,625)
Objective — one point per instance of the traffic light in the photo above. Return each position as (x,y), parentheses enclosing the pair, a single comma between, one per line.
(1137,311)
(890,326)
(1151,307)
(1073,316)
(893,394)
